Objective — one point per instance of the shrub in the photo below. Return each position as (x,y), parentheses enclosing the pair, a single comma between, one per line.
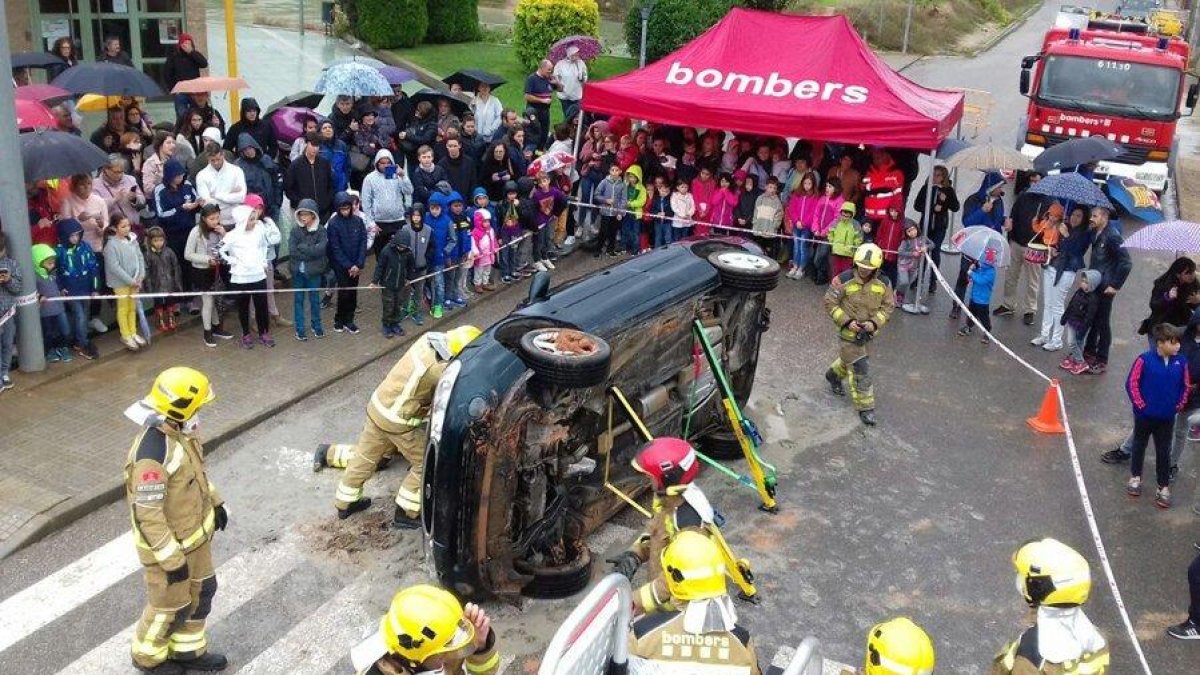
(452,21)
(540,23)
(673,23)
(386,24)
(768,5)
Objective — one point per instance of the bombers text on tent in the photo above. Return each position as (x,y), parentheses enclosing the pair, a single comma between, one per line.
(772,85)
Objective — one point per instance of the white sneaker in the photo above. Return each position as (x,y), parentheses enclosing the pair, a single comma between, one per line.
(799,273)
(1052,346)
(569,241)
(548,264)
(540,266)
(909,307)
(924,309)
(130,344)
(791,274)
(141,341)
(1038,341)
(98,325)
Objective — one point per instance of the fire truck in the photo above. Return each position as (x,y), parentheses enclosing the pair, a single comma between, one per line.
(1110,75)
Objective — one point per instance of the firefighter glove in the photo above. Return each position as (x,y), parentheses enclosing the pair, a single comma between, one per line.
(221,516)
(177,575)
(626,564)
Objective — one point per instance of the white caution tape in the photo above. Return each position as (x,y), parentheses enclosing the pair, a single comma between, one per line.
(21,301)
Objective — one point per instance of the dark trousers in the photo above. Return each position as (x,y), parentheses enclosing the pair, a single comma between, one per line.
(262,317)
(937,234)
(386,231)
(393,306)
(980,311)
(1143,429)
(347,298)
(964,278)
(889,270)
(1194,590)
(543,120)
(608,233)
(1099,338)
(56,332)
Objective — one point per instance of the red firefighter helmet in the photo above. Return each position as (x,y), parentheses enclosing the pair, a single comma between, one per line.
(668,462)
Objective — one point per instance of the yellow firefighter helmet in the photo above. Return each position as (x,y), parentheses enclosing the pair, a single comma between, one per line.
(1051,573)
(178,393)
(425,621)
(898,647)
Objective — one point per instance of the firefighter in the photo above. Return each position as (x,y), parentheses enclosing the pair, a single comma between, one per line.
(174,509)
(426,630)
(897,647)
(396,417)
(671,465)
(702,633)
(859,301)
(1055,581)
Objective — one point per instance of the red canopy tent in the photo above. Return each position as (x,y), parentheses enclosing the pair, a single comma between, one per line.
(782,75)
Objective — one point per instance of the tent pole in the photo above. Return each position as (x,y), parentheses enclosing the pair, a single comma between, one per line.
(575,153)
(925,220)
(947,247)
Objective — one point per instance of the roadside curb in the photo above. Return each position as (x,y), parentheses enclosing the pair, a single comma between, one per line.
(1008,30)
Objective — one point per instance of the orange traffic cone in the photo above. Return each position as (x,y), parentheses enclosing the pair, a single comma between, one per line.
(1048,420)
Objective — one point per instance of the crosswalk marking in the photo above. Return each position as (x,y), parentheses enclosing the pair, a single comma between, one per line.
(239,579)
(29,610)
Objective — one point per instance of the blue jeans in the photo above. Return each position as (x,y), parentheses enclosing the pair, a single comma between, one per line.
(77,319)
(629,233)
(505,257)
(8,331)
(454,291)
(438,287)
(662,233)
(314,300)
(800,247)
(56,332)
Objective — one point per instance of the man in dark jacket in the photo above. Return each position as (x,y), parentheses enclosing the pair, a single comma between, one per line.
(262,175)
(1110,258)
(348,255)
(425,175)
(251,122)
(311,177)
(183,63)
(461,171)
(113,53)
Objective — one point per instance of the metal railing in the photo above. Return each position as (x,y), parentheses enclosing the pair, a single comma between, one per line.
(593,639)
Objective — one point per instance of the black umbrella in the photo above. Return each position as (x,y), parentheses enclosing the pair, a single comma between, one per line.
(54,154)
(470,79)
(36,60)
(107,79)
(300,99)
(1076,151)
(458,103)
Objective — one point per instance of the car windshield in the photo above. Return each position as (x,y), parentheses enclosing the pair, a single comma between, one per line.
(1110,86)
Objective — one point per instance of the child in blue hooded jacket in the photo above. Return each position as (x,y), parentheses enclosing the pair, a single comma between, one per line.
(1158,386)
(460,251)
(78,274)
(982,274)
(440,245)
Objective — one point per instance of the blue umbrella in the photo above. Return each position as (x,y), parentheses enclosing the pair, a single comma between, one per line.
(353,79)
(396,76)
(1137,199)
(951,147)
(1071,187)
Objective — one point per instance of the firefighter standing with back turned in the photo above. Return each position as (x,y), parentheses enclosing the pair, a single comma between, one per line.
(396,417)
(897,647)
(174,509)
(859,301)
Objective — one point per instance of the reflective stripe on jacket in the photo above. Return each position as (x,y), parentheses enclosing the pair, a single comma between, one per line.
(850,299)
(402,400)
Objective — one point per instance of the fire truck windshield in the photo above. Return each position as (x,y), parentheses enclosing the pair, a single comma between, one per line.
(1110,86)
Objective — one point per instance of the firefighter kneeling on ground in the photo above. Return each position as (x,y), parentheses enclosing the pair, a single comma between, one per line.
(897,647)
(426,630)
(859,301)
(702,631)
(396,417)
(671,464)
(1055,581)
(174,509)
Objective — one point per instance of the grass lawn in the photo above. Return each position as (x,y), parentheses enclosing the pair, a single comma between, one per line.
(500,59)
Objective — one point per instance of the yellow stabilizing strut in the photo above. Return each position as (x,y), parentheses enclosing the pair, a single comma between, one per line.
(738,568)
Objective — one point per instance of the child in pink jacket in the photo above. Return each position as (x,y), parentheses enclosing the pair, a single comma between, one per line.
(828,208)
(483,249)
(720,207)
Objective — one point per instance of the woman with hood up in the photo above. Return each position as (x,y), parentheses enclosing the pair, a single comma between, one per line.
(986,206)
(251,122)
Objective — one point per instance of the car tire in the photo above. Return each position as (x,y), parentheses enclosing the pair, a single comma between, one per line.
(722,445)
(744,271)
(562,581)
(573,371)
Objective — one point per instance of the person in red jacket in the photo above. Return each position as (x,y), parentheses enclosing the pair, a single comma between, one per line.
(887,234)
(883,182)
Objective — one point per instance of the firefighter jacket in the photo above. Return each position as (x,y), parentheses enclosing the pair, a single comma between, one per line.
(673,512)
(852,299)
(1024,657)
(659,644)
(882,183)
(484,662)
(170,498)
(402,400)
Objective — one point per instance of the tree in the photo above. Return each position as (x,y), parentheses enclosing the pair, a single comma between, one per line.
(541,23)
(386,24)
(452,21)
(672,24)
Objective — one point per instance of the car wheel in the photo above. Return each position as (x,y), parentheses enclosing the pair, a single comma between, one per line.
(745,271)
(560,581)
(721,445)
(566,357)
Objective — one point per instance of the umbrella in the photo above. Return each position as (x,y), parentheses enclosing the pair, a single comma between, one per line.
(202,85)
(34,115)
(951,147)
(989,157)
(396,76)
(975,241)
(36,60)
(1173,235)
(1071,187)
(589,47)
(54,154)
(110,79)
(46,93)
(470,79)
(1137,199)
(98,103)
(458,103)
(288,122)
(551,161)
(356,59)
(353,79)
(1076,151)
(300,99)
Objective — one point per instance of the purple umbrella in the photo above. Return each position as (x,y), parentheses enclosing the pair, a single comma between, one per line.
(589,47)
(396,76)
(288,123)
(1174,235)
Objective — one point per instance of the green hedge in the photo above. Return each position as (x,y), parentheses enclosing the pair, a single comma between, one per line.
(540,23)
(387,24)
(673,23)
(452,21)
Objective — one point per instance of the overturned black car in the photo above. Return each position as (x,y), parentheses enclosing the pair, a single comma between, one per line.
(519,440)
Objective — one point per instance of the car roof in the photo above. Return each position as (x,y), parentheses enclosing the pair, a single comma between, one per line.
(639,287)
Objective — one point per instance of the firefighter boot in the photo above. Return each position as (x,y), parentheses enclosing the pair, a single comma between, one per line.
(319,457)
(403,521)
(835,383)
(867,417)
(207,662)
(360,505)
(164,668)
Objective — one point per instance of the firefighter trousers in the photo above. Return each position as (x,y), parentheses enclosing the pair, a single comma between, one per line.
(852,366)
(172,624)
(374,444)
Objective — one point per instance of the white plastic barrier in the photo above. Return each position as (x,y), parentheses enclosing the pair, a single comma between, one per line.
(807,660)
(594,638)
